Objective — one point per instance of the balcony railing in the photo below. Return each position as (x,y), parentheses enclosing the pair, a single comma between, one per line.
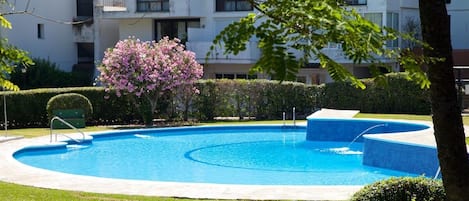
(355,2)
(200,48)
(112,5)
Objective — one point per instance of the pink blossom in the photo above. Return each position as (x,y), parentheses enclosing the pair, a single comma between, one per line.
(150,68)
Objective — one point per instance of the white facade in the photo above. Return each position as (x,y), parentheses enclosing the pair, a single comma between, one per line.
(458,10)
(196,22)
(45,34)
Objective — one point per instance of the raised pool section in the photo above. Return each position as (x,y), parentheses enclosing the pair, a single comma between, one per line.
(330,129)
(379,149)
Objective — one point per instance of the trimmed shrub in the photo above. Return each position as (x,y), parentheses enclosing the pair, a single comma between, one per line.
(262,99)
(402,189)
(69,101)
(399,96)
(208,94)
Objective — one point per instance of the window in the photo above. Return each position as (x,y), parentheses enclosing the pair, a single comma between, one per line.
(355,2)
(233,5)
(152,5)
(176,28)
(301,79)
(235,76)
(376,18)
(85,52)
(85,8)
(40,31)
(392,21)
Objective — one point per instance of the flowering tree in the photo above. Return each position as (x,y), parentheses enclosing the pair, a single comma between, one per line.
(144,71)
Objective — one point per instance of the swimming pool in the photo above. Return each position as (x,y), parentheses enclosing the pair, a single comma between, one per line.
(261,155)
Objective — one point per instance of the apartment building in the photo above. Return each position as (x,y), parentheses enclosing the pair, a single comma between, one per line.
(458,11)
(75,34)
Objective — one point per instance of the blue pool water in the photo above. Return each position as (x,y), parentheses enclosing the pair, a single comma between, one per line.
(264,155)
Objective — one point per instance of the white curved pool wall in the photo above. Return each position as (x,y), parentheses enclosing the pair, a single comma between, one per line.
(379,152)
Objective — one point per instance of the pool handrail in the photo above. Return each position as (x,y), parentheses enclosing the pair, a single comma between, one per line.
(69,125)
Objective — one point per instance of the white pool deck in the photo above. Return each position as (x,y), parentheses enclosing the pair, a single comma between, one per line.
(15,172)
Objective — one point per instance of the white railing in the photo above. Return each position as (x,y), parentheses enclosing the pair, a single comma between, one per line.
(111,3)
(200,48)
(69,125)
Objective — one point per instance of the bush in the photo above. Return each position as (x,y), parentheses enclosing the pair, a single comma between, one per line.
(69,101)
(402,189)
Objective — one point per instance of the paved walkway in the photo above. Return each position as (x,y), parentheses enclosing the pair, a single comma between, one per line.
(16,172)
(5,138)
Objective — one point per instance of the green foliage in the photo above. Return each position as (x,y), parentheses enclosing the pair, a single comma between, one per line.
(16,192)
(402,189)
(208,94)
(27,108)
(261,99)
(399,96)
(292,33)
(46,74)
(69,101)
(3,21)
(10,57)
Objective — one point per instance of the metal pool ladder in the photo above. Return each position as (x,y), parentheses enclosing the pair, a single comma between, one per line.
(69,125)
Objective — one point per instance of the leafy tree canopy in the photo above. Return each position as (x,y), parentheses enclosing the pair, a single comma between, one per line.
(286,28)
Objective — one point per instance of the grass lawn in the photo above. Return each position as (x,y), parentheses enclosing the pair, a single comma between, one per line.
(14,192)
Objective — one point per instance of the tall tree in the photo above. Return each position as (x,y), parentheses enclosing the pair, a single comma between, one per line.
(286,28)
(447,121)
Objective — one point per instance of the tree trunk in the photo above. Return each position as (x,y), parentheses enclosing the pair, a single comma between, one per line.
(447,120)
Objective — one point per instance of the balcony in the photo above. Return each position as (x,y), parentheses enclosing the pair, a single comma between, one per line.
(149,8)
(249,56)
(112,5)
(355,2)
(83,32)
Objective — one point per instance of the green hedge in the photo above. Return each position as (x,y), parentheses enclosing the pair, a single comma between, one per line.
(27,108)
(261,99)
(399,96)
